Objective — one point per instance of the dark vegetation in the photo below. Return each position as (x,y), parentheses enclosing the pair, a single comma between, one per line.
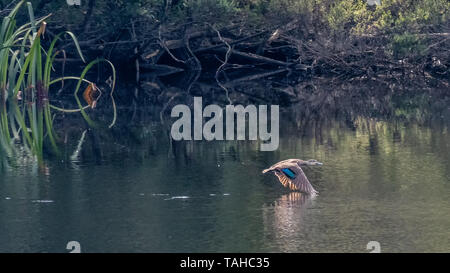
(234,41)
(327,38)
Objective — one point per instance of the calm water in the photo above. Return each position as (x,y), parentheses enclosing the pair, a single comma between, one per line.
(133,191)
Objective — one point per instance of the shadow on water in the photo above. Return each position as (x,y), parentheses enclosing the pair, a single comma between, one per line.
(131,188)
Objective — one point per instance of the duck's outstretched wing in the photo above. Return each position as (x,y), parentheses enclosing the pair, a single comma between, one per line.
(279,165)
(286,182)
(293,178)
(301,182)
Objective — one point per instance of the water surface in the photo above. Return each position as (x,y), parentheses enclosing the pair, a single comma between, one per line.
(135,191)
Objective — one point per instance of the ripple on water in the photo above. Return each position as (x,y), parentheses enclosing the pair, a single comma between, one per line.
(42,201)
(177,197)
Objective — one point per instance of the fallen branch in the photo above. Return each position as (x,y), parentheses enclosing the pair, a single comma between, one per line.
(227,56)
(255,57)
(160,69)
(254,77)
(232,43)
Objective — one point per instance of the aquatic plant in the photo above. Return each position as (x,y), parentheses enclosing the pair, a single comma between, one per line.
(26,117)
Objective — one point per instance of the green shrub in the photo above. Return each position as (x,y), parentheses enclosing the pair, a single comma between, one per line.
(407,44)
(25,79)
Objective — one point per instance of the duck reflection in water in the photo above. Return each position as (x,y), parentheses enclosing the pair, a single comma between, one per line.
(284,219)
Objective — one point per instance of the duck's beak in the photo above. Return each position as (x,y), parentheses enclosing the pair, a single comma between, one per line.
(316,163)
(312,164)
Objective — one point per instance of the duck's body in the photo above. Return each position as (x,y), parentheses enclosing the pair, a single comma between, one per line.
(291,175)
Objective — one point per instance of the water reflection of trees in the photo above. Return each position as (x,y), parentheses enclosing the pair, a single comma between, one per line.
(320,110)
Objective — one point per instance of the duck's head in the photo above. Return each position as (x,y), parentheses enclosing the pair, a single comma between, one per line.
(310,162)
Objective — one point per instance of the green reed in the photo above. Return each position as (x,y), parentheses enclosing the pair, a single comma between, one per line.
(25,79)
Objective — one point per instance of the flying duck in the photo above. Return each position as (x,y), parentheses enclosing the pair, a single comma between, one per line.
(291,175)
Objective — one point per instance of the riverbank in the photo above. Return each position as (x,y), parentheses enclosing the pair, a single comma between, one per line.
(236,41)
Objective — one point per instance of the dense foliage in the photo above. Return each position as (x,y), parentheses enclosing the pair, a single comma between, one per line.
(402,20)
